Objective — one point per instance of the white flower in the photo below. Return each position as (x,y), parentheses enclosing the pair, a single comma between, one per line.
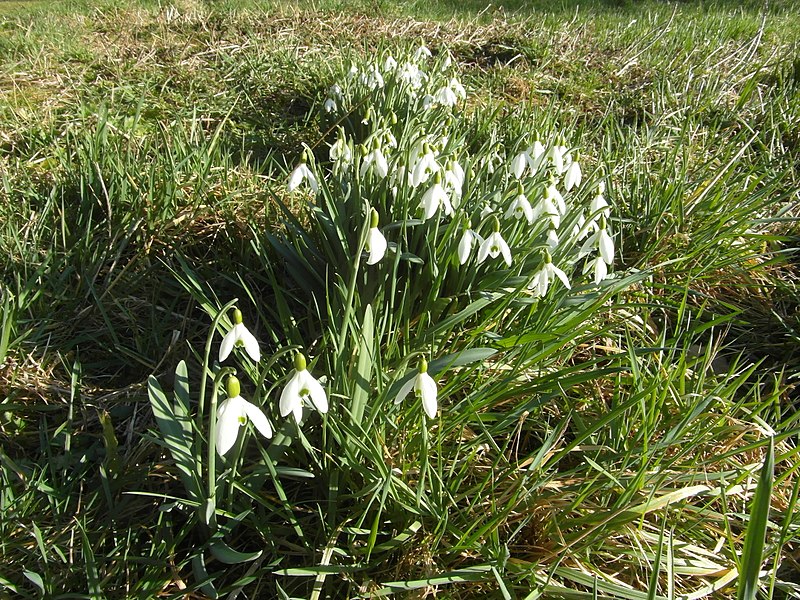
(519,208)
(372,78)
(389,64)
(376,243)
(239,335)
(376,161)
(448,60)
(424,388)
(340,151)
(458,89)
(465,245)
(422,52)
(578,230)
(301,388)
(600,269)
(552,238)
(233,413)
(541,281)
(519,164)
(302,172)
(435,197)
(573,176)
(547,208)
(556,156)
(446,97)
(454,178)
(601,240)
(557,198)
(486,210)
(330,105)
(599,204)
(494,245)
(424,167)
(534,155)
(411,74)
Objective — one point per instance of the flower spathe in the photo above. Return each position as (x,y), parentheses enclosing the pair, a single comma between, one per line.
(376,243)
(301,388)
(235,412)
(424,388)
(239,335)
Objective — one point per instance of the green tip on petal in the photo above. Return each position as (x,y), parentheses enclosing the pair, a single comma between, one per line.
(423,366)
(495,224)
(237,316)
(373,218)
(300,361)
(233,387)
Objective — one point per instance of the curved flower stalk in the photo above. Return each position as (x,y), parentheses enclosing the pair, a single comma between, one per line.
(494,245)
(239,335)
(235,412)
(300,389)
(376,243)
(545,276)
(424,388)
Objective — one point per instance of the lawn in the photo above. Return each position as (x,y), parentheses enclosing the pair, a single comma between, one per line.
(514,289)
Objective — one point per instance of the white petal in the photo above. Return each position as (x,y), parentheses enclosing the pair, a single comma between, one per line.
(228,423)
(258,418)
(227,344)
(465,246)
(381,166)
(600,270)
(427,390)
(376,245)
(250,343)
(483,250)
(312,181)
(404,390)
(295,179)
(518,164)
(560,274)
(316,391)
(290,396)
(606,246)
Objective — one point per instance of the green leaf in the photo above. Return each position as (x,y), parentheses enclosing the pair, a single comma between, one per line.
(204,580)
(753,552)
(224,553)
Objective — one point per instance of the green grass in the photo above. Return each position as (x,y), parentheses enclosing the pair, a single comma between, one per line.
(636,443)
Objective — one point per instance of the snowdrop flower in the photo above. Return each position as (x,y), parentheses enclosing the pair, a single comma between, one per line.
(376,243)
(578,230)
(556,196)
(573,175)
(372,78)
(411,74)
(520,208)
(390,64)
(448,60)
(446,96)
(556,156)
(301,388)
(424,167)
(465,245)
(552,237)
(422,52)
(329,106)
(599,202)
(519,164)
(239,335)
(494,245)
(435,197)
(341,151)
(233,413)
(541,281)
(302,173)
(487,210)
(547,207)
(534,155)
(458,89)
(454,179)
(352,72)
(598,265)
(601,240)
(375,161)
(424,388)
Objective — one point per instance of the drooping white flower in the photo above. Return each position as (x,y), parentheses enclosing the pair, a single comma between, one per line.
(598,265)
(556,196)
(494,245)
(448,60)
(573,176)
(552,238)
(519,164)
(424,388)
(601,240)
(465,245)
(376,243)
(300,389)
(422,52)
(239,335)
(534,155)
(233,413)
(457,88)
(556,156)
(375,161)
(599,204)
(341,152)
(544,277)
(302,173)
(546,207)
(390,64)
(578,230)
(372,78)
(435,197)
(330,105)
(487,210)
(446,96)
(519,208)
(412,75)
(424,167)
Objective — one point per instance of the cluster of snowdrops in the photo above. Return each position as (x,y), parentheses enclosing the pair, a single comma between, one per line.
(401,153)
